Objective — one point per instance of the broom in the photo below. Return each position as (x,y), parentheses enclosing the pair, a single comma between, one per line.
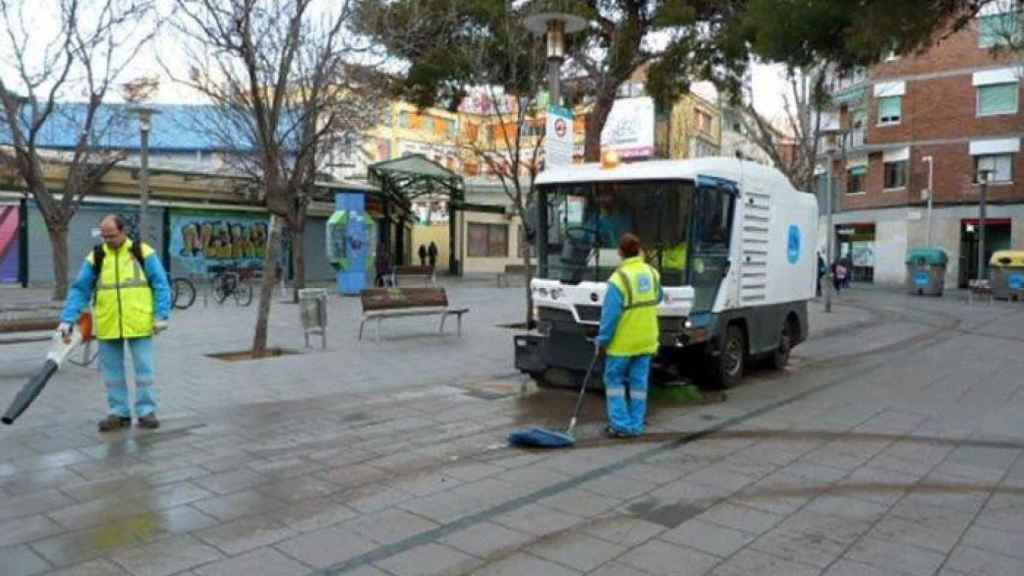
(538,437)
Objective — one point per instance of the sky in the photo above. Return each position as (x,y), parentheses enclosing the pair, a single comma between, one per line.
(766,80)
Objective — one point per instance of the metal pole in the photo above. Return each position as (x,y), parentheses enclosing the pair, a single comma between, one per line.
(144,182)
(981,223)
(554,80)
(931,195)
(828,240)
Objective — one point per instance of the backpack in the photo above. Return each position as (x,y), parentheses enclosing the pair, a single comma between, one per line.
(98,254)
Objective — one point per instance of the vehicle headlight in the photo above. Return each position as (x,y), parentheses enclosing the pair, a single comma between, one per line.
(556,293)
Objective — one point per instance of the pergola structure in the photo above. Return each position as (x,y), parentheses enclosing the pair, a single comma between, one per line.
(415,176)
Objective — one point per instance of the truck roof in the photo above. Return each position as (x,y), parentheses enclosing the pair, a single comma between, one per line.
(721,167)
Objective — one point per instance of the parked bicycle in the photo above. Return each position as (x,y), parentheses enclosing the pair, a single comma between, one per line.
(183,293)
(233,283)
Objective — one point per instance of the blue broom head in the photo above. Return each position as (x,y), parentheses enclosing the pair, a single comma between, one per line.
(541,438)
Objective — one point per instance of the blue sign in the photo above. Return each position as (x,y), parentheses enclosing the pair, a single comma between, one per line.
(793,246)
(921,279)
(644,283)
(1017,281)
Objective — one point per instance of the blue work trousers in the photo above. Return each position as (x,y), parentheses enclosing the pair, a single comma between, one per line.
(625,389)
(116,380)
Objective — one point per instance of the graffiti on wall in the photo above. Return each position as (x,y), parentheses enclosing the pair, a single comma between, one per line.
(10,221)
(204,242)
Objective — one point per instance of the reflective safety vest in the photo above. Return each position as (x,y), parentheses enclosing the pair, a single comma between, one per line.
(637,332)
(124,299)
(673,258)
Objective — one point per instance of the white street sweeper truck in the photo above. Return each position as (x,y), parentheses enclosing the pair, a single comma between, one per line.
(734,242)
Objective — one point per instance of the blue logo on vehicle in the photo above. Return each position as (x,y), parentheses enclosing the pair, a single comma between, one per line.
(921,279)
(1017,281)
(793,246)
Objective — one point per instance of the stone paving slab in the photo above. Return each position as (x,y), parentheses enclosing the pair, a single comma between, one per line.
(849,463)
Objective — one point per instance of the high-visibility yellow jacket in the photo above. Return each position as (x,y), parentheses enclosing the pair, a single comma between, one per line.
(637,331)
(124,299)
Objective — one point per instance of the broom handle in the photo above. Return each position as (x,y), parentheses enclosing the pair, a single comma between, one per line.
(583,389)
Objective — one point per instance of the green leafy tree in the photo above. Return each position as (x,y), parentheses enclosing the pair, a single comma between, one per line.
(681,41)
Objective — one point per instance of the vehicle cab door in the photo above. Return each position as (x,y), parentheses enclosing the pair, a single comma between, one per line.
(710,240)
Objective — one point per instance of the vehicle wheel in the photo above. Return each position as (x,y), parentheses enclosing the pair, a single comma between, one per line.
(243,293)
(184,293)
(780,357)
(727,369)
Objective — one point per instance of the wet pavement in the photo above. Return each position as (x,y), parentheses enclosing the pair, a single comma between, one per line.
(892,445)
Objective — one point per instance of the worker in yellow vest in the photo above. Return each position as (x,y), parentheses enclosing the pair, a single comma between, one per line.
(671,260)
(133,301)
(629,338)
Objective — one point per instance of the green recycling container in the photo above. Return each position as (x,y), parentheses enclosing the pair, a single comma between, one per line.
(926,271)
(1006,271)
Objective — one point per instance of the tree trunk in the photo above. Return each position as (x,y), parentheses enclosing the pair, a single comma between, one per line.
(299,258)
(259,341)
(595,123)
(59,241)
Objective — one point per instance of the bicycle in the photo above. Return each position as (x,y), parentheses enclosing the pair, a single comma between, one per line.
(233,282)
(183,293)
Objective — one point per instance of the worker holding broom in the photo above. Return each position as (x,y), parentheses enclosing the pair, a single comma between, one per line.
(629,338)
(133,301)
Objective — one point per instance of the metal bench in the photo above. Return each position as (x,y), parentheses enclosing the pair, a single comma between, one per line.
(513,270)
(423,273)
(382,303)
(25,318)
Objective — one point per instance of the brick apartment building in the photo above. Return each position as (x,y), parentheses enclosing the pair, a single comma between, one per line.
(957,104)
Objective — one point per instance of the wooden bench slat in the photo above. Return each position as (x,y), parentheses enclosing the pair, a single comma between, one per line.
(382,303)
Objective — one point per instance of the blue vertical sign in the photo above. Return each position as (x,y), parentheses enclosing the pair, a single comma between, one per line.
(350,245)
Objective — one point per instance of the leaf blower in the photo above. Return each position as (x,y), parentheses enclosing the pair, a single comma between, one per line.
(60,349)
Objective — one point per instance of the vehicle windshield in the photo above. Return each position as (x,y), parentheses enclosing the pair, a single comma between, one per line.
(586,221)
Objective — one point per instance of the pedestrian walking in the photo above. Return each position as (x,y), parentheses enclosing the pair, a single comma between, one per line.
(822,271)
(839,272)
(432,253)
(423,255)
(629,338)
(132,303)
(383,266)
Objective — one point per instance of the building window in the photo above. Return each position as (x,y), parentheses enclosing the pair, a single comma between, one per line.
(996,99)
(998,29)
(488,240)
(405,120)
(895,175)
(703,122)
(890,110)
(856,177)
(1000,167)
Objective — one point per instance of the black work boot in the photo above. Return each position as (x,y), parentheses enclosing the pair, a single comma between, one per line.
(114,422)
(149,422)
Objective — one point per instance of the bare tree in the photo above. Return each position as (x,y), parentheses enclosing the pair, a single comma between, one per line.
(803,108)
(286,78)
(513,156)
(95,42)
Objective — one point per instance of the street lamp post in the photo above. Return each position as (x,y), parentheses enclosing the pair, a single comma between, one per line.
(983,177)
(554,26)
(838,134)
(931,194)
(554,23)
(145,120)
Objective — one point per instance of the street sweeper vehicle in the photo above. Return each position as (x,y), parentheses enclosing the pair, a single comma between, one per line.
(734,242)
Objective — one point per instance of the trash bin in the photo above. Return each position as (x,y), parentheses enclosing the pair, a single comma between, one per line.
(1006,270)
(926,271)
(313,310)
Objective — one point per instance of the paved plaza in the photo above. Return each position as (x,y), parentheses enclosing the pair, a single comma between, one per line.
(892,446)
